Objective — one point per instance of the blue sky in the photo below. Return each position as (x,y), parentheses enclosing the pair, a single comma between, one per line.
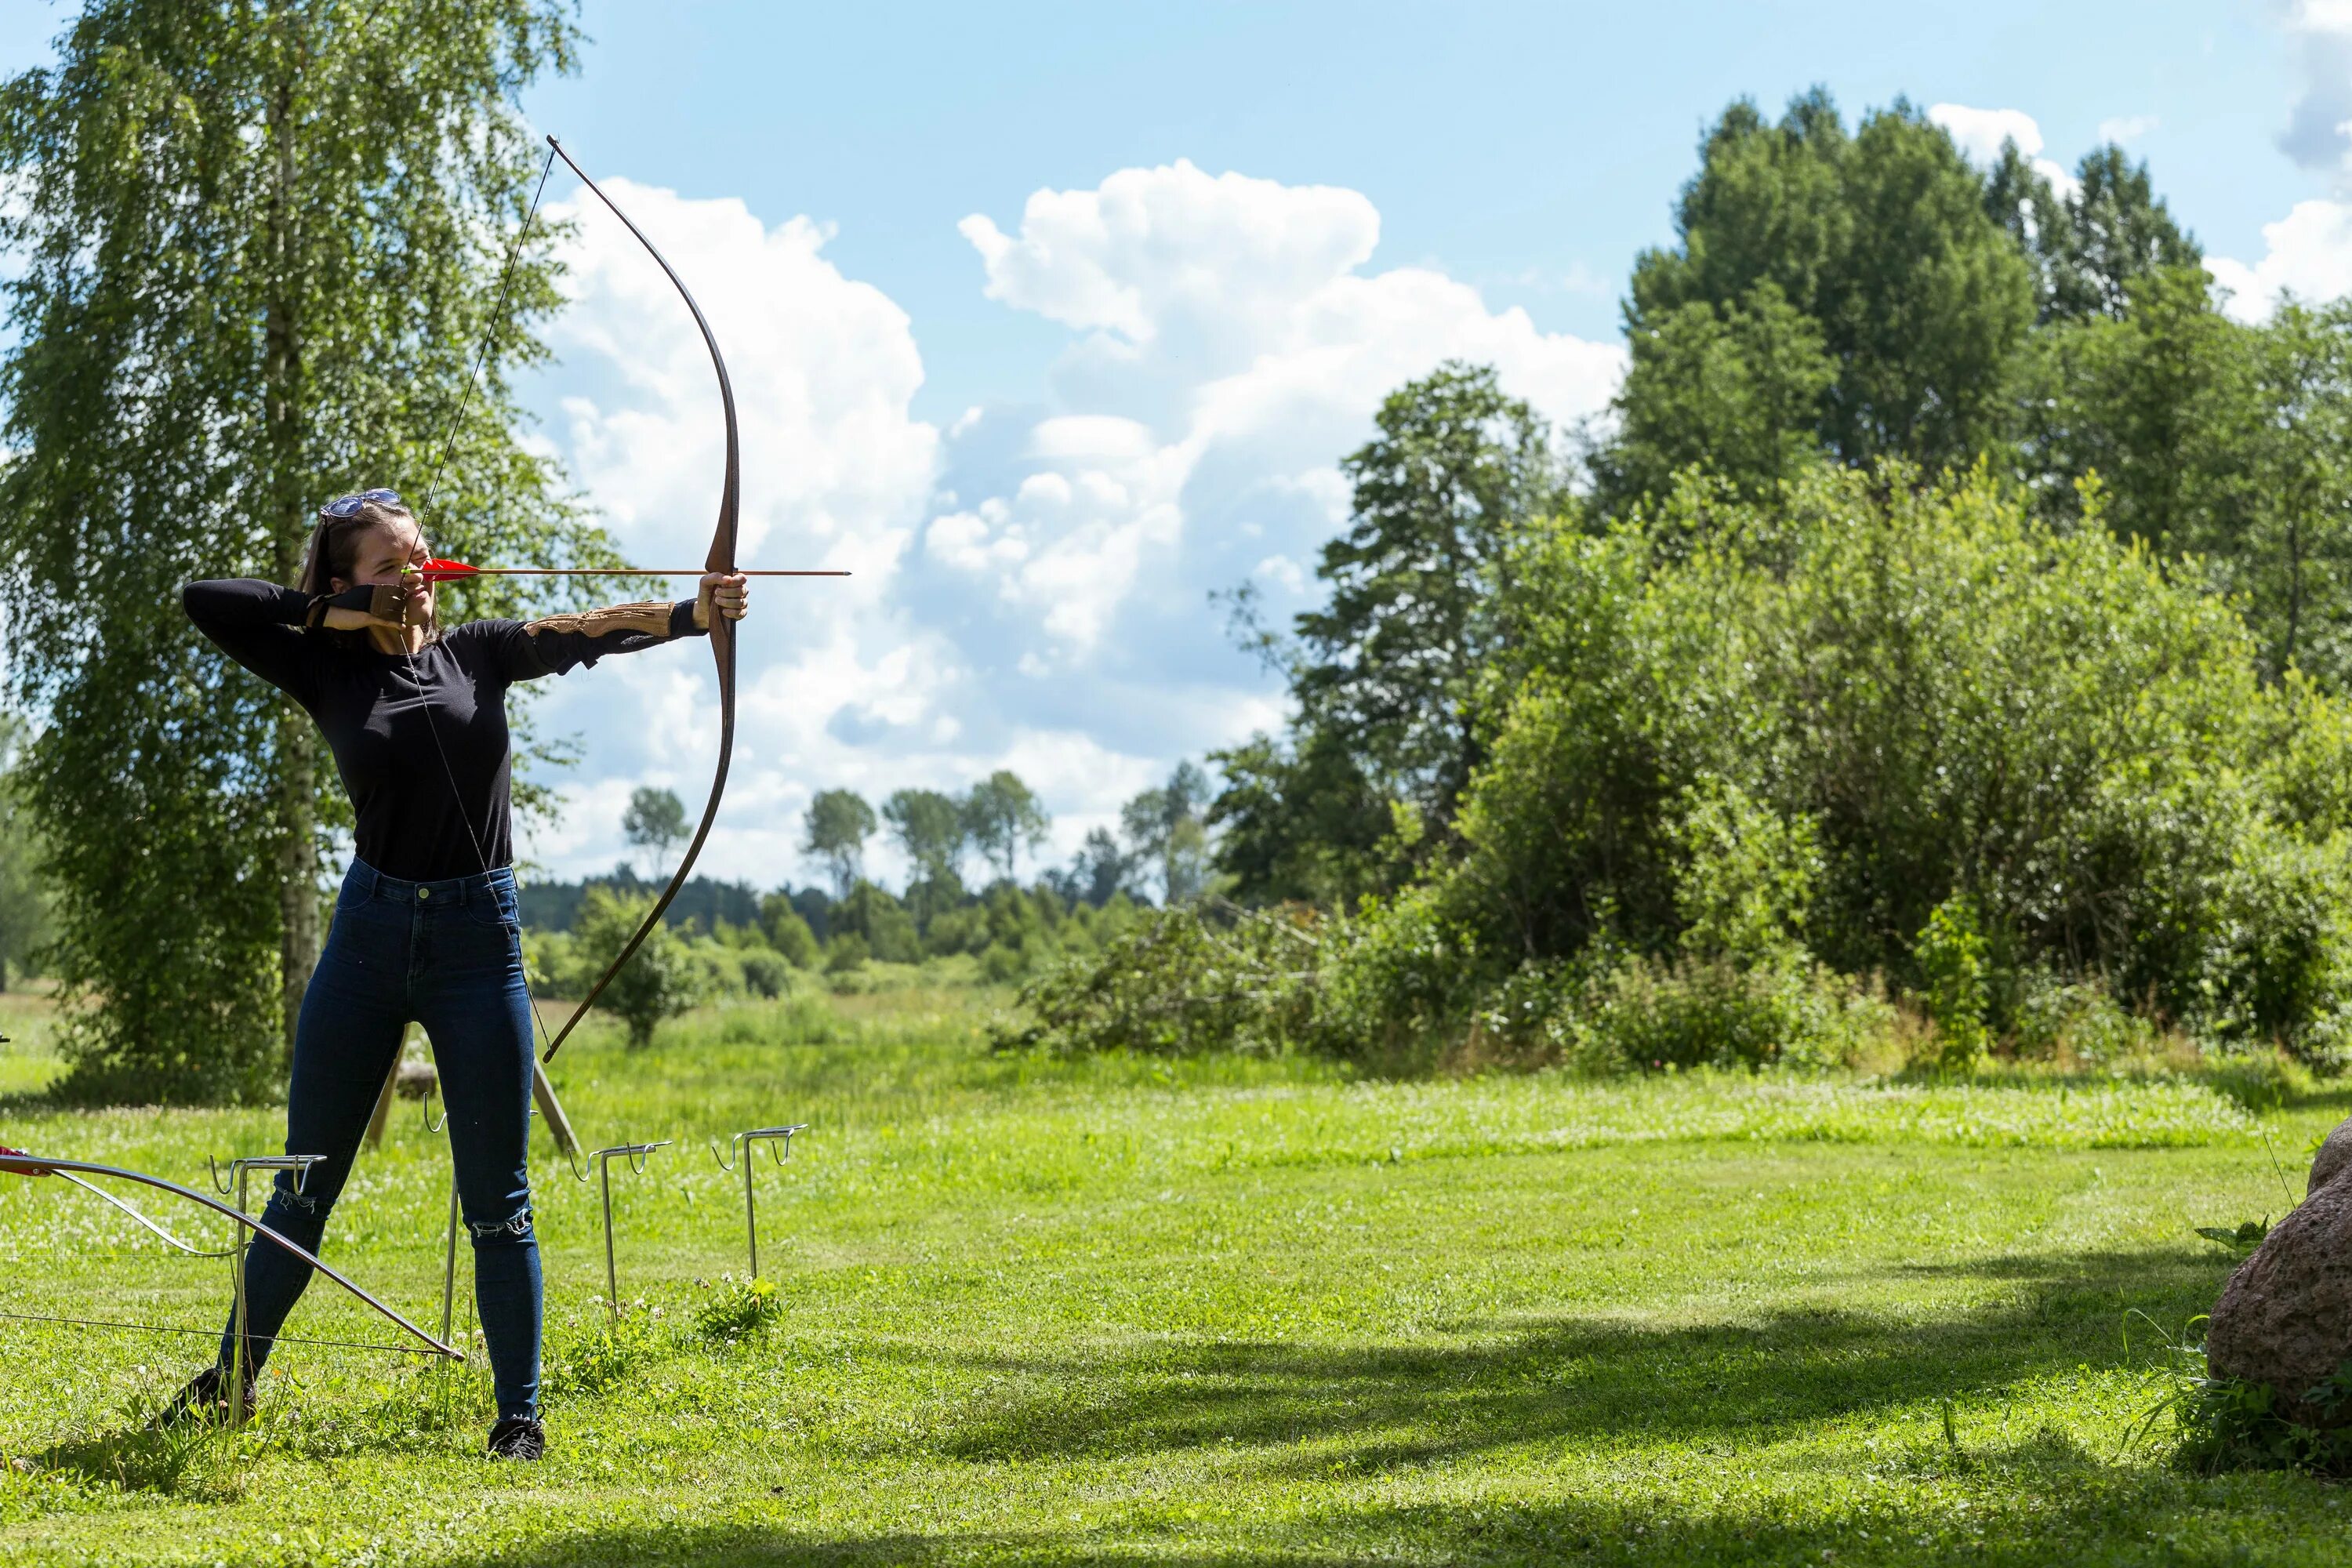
(1049,320)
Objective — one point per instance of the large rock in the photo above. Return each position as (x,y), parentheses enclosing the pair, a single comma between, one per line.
(2333,1157)
(2285,1317)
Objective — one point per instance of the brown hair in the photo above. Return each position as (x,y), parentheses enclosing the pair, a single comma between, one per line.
(335,545)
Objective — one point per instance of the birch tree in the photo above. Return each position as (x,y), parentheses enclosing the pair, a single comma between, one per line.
(257,246)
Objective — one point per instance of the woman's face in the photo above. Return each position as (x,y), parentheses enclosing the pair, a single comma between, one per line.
(383,551)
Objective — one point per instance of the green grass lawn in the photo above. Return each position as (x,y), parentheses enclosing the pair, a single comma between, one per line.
(1223,1312)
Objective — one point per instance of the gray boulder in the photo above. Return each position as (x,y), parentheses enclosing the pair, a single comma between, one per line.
(2285,1317)
(2333,1157)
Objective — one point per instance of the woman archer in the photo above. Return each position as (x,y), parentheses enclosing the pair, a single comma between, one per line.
(425,927)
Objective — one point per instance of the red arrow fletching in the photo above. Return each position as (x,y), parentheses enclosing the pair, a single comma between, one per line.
(438,571)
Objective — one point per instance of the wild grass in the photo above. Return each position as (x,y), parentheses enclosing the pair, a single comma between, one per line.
(1221,1311)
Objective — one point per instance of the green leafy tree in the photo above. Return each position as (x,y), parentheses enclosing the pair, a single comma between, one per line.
(1097,873)
(1387,665)
(1384,673)
(2136,400)
(253,250)
(1880,237)
(661,979)
(788,932)
(1735,388)
(1001,815)
(930,828)
(878,924)
(1165,826)
(2284,532)
(1300,821)
(835,829)
(23,903)
(654,819)
(2202,436)
(2090,248)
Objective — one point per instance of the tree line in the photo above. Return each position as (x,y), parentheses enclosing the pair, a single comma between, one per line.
(1160,848)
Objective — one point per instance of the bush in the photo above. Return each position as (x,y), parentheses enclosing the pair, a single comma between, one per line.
(2073,1023)
(1950,954)
(1186,980)
(1859,699)
(788,933)
(2227,1424)
(1693,1013)
(766,973)
(662,978)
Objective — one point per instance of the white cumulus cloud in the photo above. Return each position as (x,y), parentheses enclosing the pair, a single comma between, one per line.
(1232,347)
(1981,134)
(2308,254)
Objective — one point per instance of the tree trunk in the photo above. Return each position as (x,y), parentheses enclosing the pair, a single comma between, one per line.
(297,772)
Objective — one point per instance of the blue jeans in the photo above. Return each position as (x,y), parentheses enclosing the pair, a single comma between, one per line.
(448,955)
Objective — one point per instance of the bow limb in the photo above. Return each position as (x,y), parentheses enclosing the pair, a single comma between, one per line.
(14,1163)
(722,630)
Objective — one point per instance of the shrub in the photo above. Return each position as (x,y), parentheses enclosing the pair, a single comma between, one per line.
(737,1309)
(1186,980)
(1733,751)
(2074,1022)
(1746,880)
(2227,1424)
(1709,1013)
(766,973)
(788,932)
(1905,690)
(1951,955)
(662,978)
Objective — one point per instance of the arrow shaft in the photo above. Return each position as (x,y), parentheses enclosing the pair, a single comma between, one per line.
(606,572)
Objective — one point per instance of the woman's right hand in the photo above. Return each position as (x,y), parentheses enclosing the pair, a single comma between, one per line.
(369,605)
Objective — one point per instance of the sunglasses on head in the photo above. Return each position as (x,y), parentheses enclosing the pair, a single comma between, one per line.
(349,506)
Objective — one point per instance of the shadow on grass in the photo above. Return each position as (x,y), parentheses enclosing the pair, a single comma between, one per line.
(1582,1382)
(2040,1501)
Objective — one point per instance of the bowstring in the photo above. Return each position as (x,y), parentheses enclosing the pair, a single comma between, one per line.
(497,315)
(431,489)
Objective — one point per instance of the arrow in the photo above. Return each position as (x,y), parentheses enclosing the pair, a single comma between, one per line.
(438,571)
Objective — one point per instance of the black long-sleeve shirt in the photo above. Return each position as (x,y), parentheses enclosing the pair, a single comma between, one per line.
(415,819)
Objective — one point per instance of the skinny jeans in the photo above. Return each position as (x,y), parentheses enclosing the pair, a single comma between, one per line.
(448,955)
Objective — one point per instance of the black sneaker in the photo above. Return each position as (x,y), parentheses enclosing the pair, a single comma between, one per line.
(202,1397)
(518,1438)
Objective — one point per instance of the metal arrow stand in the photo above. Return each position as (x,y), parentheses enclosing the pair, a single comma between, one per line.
(240,1176)
(602,1159)
(739,1150)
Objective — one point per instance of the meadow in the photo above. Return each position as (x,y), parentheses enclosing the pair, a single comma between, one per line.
(1216,1311)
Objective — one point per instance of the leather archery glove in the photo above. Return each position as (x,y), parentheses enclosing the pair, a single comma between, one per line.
(378,602)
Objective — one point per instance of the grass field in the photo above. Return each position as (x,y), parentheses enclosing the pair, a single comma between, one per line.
(1123,1311)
